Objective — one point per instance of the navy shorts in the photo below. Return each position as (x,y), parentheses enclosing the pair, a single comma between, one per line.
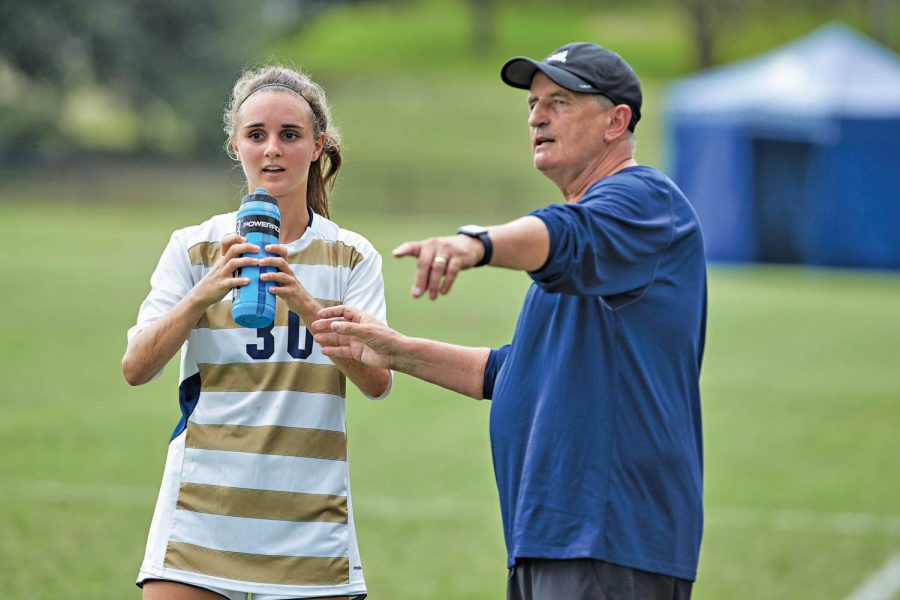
(588,579)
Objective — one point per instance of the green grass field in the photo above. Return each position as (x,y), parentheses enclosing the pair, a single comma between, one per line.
(801,385)
(800,402)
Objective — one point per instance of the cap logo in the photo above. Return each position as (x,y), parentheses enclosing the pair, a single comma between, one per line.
(558,57)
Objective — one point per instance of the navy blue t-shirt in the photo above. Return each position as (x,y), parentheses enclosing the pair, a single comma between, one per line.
(595,421)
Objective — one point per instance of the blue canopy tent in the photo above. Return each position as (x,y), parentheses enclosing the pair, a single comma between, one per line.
(794,156)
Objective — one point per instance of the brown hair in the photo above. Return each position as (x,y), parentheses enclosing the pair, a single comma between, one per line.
(277,77)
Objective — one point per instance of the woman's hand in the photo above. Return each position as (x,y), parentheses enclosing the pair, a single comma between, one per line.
(220,279)
(287,286)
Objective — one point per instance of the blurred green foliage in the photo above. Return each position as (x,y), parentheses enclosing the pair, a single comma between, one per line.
(118,74)
(91,78)
(657,37)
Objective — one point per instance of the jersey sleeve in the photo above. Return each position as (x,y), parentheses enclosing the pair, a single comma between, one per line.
(365,291)
(171,281)
(495,361)
(609,243)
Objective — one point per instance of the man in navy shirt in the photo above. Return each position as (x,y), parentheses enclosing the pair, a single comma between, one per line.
(595,421)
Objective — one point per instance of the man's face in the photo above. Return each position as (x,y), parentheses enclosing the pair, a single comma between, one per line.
(567,129)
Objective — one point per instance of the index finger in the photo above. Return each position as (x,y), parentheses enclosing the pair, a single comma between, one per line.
(238,248)
(408,249)
(332,312)
(230,240)
(278,249)
(323,325)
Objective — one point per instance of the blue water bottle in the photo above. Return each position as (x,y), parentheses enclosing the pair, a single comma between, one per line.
(259,222)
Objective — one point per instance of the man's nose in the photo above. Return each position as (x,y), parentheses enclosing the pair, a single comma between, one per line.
(537,116)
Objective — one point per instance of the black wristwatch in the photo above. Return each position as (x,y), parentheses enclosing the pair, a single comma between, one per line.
(480,233)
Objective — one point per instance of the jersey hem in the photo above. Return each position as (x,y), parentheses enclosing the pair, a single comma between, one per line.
(351,589)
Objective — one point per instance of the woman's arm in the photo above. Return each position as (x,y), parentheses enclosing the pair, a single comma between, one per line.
(153,346)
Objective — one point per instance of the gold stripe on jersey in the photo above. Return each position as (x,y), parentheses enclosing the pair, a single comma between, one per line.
(318,252)
(262,504)
(218,316)
(295,376)
(323,252)
(205,253)
(262,568)
(269,439)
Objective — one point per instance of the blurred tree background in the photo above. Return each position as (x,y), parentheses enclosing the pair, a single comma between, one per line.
(148,79)
(116,76)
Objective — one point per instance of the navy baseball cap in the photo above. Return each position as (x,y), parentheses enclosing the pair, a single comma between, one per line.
(584,68)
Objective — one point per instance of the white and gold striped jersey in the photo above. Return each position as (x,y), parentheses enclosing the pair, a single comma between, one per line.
(256,492)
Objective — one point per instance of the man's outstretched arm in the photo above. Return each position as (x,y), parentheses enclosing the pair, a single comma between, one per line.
(523,244)
(346,332)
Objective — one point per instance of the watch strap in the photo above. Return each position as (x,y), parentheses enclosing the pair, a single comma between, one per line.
(481,234)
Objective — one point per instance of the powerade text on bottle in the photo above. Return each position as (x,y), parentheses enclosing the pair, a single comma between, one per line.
(259,222)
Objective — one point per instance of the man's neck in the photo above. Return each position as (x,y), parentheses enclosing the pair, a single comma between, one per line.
(573,187)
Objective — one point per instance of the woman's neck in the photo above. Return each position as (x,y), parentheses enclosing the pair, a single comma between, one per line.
(294,217)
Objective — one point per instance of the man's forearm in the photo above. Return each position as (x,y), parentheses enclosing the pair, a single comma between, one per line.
(457,368)
(523,244)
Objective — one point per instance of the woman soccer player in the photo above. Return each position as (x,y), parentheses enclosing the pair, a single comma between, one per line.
(255,497)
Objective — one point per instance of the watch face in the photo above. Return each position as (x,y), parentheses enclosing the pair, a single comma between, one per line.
(473,230)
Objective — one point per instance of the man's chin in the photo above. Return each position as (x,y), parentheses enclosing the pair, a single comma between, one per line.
(542,164)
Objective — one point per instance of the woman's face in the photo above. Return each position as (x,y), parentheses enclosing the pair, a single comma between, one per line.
(275,142)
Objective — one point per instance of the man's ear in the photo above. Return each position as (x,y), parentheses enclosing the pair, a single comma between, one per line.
(620,117)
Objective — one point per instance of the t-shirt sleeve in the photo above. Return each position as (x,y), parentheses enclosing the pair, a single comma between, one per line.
(170,282)
(365,291)
(495,361)
(609,243)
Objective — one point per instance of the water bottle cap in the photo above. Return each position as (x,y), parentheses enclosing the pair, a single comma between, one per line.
(255,197)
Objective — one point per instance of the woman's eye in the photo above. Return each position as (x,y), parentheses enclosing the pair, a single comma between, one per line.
(289,136)
(255,135)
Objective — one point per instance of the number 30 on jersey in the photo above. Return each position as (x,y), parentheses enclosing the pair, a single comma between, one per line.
(265,348)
